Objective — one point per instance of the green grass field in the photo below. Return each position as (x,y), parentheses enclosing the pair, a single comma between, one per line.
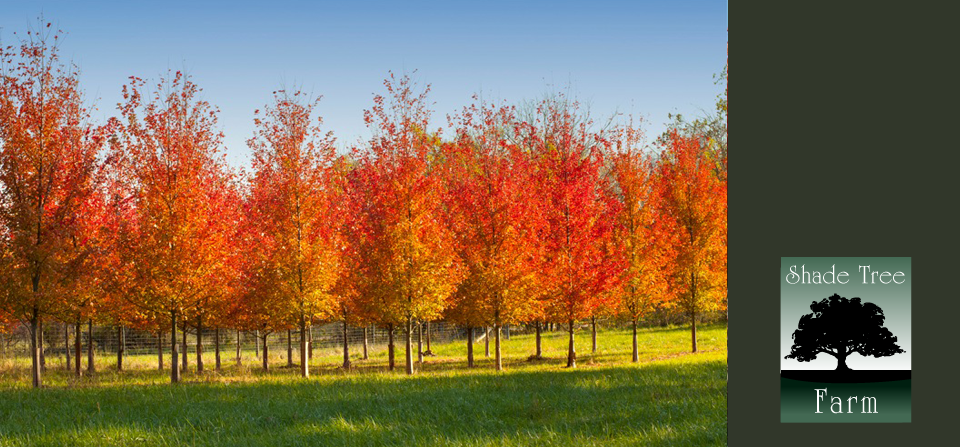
(671,397)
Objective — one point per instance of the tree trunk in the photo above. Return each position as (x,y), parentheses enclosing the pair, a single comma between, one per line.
(239,361)
(486,340)
(571,352)
(306,347)
(66,345)
(499,356)
(91,367)
(289,348)
(391,349)
(593,332)
(174,361)
(506,331)
(636,352)
(365,356)
(346,347)
(160,350)
(420,344)
(34,346)
(216,347)
(310,345)
(43,356)
(842,363)
(469,346)
(693,330)
(409,343)
(428,351)
(539,354)
(77,348)
(256,347)
(120,348)
(266,351)
(183,355)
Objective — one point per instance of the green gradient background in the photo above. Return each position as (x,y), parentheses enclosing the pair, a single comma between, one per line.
(894,299)
(798,401)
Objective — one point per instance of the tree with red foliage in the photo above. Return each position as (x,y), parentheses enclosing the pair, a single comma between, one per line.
(407,250)
(693,203)
(579,213)
(48,162)
(296,192)
(167,153)
(640,235)
(496,220)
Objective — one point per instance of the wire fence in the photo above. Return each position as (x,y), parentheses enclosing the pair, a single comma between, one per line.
(59,340)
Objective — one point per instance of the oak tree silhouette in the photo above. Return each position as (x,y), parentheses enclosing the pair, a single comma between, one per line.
(840,327)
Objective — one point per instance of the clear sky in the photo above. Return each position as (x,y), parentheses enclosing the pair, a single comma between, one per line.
(648,58)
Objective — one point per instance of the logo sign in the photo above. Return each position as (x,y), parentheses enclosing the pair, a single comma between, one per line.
(845,339)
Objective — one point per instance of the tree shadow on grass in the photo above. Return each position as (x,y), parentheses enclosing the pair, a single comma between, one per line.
(670,404)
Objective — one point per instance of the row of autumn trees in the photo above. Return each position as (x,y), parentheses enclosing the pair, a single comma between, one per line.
(522,216)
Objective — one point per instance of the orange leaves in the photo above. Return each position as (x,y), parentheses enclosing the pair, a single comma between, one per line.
(48,175)
(294,197)
(694,205)
(168,158)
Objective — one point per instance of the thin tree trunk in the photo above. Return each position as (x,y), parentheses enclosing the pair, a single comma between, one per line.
(43,356)
(420,344)
(78,348)
(593,332)
(174,361)
(34,345)
(256,347)
(572,352)
(91,367)
(239,361)
(391,349)
(346,347)
(266,361)
(636,352)
(183,355)
(66,345)
(160,350)
(305,348)
(506,331)
(289,348)
(486,340)
(693,330)
(409,343)
(499,354)
(469,346)
(365,357)
(120,348)
(428,351)
(539,354)
(216,347)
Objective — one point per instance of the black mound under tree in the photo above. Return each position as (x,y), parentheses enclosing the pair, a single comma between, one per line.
(840,327)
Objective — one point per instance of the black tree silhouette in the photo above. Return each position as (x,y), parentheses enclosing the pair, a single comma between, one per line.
(840,327)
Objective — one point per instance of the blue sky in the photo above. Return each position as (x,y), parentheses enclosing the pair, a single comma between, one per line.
(648,58)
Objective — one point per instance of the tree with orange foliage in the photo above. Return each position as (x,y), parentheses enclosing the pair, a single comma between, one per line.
(167,154)
(693,202)
(48,159)
(582,262)
(639,233)
(293,180)
(494,214)
(408,250)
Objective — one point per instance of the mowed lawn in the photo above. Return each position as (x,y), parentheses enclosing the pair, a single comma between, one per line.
(672,397)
